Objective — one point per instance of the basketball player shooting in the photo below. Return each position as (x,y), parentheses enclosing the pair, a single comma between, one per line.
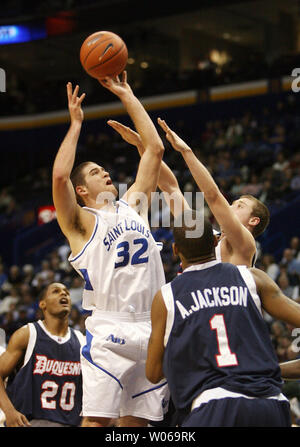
(114,251)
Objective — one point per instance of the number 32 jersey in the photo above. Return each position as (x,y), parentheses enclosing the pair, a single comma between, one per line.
(121,263)
(216,335)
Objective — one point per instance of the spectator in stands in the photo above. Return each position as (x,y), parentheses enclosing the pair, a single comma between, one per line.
(295,182)
(253,187)
(284,348)
(6,198)
(12,298)
(56,267)
(14,275)
(63,251)
(74,318)
(237,186)
(76,291)
(41,278)
(267,193)
(3,275)
(269,265)
(281,162)
(289,290)
(292,265)
(295,246)
(27,273)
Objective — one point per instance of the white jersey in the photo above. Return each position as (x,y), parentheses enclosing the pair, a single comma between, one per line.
(218,253)
(121,262)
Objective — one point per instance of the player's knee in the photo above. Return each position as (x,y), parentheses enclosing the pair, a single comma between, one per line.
(132,421)
(95,422)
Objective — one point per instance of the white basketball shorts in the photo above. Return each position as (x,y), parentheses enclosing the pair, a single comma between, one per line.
(113,368)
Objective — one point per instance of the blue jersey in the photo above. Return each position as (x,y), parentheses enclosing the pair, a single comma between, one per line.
(49,384)
(216,335)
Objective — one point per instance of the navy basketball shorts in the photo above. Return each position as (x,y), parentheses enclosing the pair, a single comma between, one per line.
(240,412)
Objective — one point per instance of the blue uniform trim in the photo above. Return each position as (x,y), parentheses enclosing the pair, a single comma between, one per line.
(87,285)
(88,243)
(123,201)
(86,352)
(148,391)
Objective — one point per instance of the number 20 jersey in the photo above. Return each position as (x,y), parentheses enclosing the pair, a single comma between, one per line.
(121,263)
(216,335)
(49,384)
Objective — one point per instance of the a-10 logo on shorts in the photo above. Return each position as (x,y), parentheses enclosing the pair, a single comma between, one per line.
(114,339)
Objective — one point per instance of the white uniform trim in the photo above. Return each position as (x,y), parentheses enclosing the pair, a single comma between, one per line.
(74,257)
(31,343)
(218,251)
(60,340)
(167,295)
(56,338)
(250,283)
(221,393)
(205,265)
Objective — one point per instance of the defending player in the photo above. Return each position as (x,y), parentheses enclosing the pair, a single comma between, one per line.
(210,341)
(240,223)
(114,251)
(47,389)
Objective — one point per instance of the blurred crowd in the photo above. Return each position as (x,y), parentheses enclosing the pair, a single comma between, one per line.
(253,154)
(158,78)
(256,153)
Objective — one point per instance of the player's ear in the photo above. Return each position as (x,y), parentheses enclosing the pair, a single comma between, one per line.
(175,249)
(42,305)
(253,221)
(81,190)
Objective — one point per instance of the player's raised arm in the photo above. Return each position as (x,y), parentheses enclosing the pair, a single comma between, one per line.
(237,234)
(8,362)
(149,167)
(274,301)
(167,181)
(64,197)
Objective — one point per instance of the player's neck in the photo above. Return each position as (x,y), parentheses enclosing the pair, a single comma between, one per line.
(106,205)
(57,326)
(200,260)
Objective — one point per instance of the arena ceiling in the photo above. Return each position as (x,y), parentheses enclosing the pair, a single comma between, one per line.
(243,23)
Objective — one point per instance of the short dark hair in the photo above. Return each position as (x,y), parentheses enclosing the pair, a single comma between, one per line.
(77,179)
(43,293)
(259,210)
(198,247)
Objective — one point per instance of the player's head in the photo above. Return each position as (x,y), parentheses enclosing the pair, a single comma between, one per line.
(55,300)
(193,249)
(252,213)
(89,180)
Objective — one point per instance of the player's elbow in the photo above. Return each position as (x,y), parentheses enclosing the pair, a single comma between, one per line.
(59,177)
(157,148)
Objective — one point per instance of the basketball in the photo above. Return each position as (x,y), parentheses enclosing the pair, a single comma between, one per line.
(103,54)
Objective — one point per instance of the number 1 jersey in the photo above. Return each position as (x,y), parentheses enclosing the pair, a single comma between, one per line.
(216,335)
(121,263)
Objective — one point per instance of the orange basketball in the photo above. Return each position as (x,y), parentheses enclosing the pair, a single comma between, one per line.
(103,54)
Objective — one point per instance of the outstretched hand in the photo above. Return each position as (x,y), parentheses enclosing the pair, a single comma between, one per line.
(128,135)
(177,143)
(74,103)
(115,85)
